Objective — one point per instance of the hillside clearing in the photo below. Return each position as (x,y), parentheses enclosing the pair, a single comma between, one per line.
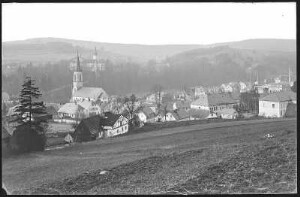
(178,162)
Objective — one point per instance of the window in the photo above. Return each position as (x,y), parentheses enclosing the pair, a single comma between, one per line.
(273,105)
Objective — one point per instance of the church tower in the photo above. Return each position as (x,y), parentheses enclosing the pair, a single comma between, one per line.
(77,77)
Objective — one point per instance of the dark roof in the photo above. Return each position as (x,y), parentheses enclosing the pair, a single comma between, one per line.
(182,114)
(92,123)
(110,118)
(199,113)
(217,99)
(280,96)
(235,95)
(148,112)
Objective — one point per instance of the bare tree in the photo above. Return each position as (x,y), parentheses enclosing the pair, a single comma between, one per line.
(157,89)
(131,105)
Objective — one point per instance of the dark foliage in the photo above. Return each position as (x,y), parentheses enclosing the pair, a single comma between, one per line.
(249,101)
(25,139)
(31,118)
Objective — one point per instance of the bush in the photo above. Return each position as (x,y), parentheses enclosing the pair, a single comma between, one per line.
(25,139)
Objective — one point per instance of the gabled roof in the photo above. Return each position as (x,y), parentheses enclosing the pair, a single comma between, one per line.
(93,123)
(110,118)
(70,108)
(235,95)
(90,92)
(217,99)
(183,104)
(280,96)
(182,114)
(148,112)
(199,113)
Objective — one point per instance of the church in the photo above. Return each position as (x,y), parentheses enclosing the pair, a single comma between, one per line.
(81,93)
(83,101)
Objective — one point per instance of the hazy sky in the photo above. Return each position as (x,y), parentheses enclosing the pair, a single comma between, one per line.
(149,23)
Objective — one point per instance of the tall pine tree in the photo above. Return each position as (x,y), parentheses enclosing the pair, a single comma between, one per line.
(31,118)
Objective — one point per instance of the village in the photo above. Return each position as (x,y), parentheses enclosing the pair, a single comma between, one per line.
(93,114)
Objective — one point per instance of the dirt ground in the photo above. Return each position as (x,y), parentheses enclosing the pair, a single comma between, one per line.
(235,158)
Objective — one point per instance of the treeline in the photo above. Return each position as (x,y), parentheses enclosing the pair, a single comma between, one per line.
(205,67)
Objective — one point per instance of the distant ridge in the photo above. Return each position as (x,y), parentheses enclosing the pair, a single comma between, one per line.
(55,49)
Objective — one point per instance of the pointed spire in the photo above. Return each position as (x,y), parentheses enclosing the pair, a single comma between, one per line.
(78,69)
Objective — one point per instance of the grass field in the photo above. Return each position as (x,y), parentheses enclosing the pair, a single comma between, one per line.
(209,158)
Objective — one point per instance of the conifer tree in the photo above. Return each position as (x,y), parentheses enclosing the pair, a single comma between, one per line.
(31,118)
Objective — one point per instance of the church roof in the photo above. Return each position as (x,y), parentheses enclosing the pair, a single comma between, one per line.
(90,92)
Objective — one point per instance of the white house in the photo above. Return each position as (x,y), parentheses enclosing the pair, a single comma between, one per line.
(274,105)
(70,110)
(213,102)
(146,115)
(115,124)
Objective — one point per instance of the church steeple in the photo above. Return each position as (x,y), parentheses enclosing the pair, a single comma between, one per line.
(78,69)
(77,77)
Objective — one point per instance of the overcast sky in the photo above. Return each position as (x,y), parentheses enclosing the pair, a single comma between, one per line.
(150,23)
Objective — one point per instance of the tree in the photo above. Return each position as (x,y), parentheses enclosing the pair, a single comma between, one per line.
(31,118)
(158,95)
(294,87)
(131,107)
(249,101)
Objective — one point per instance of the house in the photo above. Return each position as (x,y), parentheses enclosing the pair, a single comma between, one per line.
(227,113)
(243,87)
(171,116)
(68,138)
(115,124)
(177,115)
(226,88)
(89,129)
(146,114)
(89,108)
(198,114)
(235,96)
(181,105)
(199,91)
(275,105)
(69,112)
(213,102)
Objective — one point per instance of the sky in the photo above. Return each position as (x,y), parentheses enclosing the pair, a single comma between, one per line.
(149,23)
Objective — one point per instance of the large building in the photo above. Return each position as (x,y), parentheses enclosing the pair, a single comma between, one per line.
(275,105)
(80,93)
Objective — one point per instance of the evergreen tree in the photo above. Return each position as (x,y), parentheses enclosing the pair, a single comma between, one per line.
(31,118)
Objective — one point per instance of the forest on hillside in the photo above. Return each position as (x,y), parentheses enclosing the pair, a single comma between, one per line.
(207,67)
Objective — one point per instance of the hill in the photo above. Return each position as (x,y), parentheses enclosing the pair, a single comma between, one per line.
(55,49)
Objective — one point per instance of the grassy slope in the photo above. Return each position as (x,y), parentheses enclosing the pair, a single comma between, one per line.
(157,164)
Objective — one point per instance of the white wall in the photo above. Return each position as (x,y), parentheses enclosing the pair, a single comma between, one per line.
(269,109)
